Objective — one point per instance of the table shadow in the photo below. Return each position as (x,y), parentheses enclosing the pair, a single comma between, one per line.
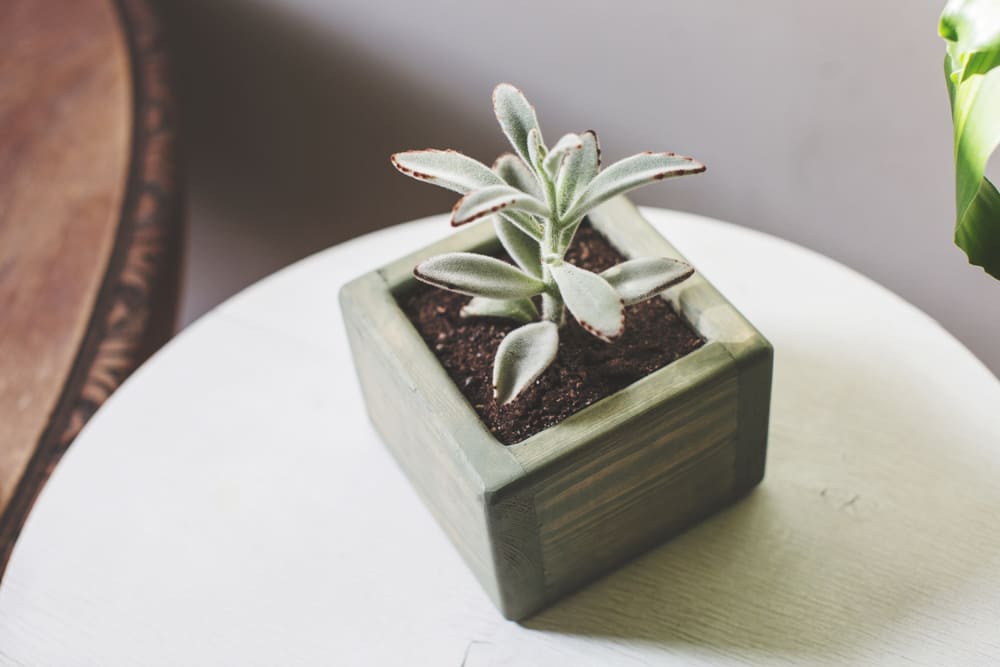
(799,568)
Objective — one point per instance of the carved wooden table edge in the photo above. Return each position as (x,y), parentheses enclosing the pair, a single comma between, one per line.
(143,270)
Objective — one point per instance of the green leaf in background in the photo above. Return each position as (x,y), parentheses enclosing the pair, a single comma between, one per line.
(972,30)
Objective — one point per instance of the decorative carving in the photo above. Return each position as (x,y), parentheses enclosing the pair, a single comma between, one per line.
(135,309)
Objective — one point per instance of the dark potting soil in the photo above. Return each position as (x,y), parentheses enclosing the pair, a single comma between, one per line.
(586,370)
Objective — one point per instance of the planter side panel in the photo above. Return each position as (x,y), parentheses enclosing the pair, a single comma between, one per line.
(412,425)
(755,360)
(641,484)
(517,553)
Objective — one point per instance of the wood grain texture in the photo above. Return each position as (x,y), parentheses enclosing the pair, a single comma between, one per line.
(89,224)
(639,483)
(540,518)
(413,417)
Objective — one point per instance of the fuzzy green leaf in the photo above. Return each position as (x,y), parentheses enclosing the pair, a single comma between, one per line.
(522,310)
(520,246)
(566,143)
(494,199)
(972,28)
(578,169)
(516,117)
(628,174)
(642,278)
(536,150)
(478,275)
(590,298)
(447,168)
(516,173)
(526,223)
(522,356)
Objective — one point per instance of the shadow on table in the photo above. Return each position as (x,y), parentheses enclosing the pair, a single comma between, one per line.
(803,567)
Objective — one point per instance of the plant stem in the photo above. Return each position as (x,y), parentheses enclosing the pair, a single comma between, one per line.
(553,309)
(552,306)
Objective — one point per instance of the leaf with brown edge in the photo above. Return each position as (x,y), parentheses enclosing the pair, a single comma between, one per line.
(522,356)
(477,275)
(578,169)
(446,168)
(643,278)
(494,199)
(590,298)
(628,174)
(516,117)
(566,144)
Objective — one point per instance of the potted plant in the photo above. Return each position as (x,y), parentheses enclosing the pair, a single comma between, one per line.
(576,393)
(971,29)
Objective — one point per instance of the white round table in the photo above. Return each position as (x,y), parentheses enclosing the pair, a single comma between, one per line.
(231,503)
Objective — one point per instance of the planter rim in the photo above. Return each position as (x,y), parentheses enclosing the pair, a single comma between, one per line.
(504,469)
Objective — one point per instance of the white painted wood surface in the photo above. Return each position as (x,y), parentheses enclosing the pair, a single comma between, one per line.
(231,504)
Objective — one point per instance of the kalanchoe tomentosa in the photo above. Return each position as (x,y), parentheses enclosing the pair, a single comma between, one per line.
(537,199)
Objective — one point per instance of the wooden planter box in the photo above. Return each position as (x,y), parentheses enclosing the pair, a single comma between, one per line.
(540,518)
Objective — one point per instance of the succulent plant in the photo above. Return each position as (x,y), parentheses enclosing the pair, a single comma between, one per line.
(536,198)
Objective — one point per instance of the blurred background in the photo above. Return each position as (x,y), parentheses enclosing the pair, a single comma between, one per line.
(826,124)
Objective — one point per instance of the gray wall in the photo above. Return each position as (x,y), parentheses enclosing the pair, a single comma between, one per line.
(822,123)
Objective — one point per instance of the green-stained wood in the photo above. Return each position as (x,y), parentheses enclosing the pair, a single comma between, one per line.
(436,437)
(538,519)
(637,469)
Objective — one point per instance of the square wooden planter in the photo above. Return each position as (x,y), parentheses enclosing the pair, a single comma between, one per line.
(540,518)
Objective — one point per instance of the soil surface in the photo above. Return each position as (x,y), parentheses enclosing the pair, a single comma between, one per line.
(586,370)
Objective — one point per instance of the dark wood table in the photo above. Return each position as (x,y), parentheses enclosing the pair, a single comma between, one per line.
(89,223)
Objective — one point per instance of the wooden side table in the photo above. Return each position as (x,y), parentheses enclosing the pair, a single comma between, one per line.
(89,223)
(262,522)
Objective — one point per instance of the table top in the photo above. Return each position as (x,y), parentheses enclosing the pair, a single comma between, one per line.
(89,223)
(48,287)
(210,512)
